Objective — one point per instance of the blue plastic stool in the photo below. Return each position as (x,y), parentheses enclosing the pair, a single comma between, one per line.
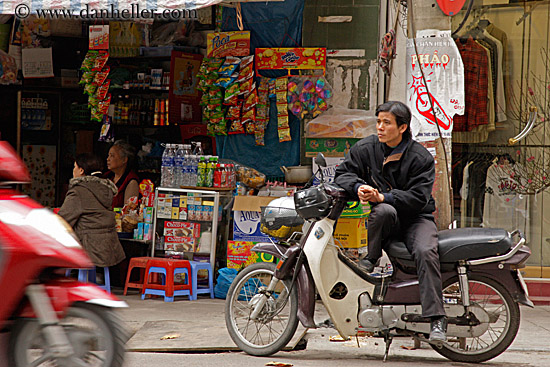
(195,267)
(89,276)
(160,292)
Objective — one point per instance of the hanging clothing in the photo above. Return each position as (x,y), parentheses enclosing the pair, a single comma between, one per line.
(475,61)
(500,97)
(480,134)
(503,206)
(500,35)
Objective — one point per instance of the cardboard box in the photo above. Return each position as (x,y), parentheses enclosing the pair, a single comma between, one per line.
(330,147)
(148,214)
(329,170)
(246,218)
(351,232)
(179,244)
(356,210)
(182,229)
(239,255)
(147,231)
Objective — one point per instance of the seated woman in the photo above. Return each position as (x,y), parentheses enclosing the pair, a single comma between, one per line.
(88,209)
(119,163)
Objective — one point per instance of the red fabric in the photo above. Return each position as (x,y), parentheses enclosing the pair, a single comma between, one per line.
(118,200)
(475,62)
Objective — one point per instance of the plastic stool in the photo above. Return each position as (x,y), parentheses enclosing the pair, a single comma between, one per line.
(195,290)
(89,276)
(169,268)
(141,264)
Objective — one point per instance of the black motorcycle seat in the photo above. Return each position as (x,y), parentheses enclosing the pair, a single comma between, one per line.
(462,244)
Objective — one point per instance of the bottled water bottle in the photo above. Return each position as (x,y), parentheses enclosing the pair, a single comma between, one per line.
(178,166)
(167,166)
(187,168)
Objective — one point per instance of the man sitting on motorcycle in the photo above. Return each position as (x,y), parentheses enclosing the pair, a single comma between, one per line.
(395,174)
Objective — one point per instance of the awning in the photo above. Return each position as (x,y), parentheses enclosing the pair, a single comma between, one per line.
(90,9)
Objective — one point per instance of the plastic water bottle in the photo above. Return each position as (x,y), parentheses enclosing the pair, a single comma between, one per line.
(187,165)
(178,166)
(167,167)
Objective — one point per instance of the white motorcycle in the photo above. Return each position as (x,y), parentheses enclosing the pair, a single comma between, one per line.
(482,285)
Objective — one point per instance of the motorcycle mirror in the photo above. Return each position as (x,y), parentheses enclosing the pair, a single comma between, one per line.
(320,160)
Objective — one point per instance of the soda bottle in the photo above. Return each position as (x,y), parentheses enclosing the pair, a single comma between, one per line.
(222,176)
(210,168)
(201,172)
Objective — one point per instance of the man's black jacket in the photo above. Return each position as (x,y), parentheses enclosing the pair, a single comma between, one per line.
(405,177)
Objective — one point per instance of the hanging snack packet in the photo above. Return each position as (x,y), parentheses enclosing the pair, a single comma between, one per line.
(259,136)
(102,90)
(282,121)
(281,84)
(214,107)
(282,109)
(104,105)
(101,75)
(281,96)
(215,93)
(261,111)
(229,66)
(214,65)
(236,127)
(251,100)
(250,127)
(247,87)
(204,99)
(231,94)
(247,60)
(249,116)
(203,68)
(104,132)
(246,73)
(101,60)
(87,77)
(271,88)
(234,113)
(225,81)
(89,60)
(90,89)
(284,134)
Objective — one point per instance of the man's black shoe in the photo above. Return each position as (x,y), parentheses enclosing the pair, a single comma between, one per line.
(438,330)
(367,265)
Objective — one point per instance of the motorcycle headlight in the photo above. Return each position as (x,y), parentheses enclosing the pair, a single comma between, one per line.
(46,222)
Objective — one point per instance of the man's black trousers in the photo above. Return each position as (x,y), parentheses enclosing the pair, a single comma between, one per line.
(420,236)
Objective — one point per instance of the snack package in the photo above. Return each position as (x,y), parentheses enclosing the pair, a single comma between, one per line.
(259,135)
(105,133)
(247,60)
(236,127)
(229,66)
(89,60)
(225,81)
(233,113)
(249,116)
(251,100)
(247,87)
(231,94)
(147,191)
(246,73)
(213,66)
(101,75)
(281,84)
(87,77)
(284,134)
(100,60)
(102,90)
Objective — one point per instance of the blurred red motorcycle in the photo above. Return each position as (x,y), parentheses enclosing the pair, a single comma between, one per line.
(53,320)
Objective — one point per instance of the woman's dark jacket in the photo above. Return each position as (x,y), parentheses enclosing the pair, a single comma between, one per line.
(87,208)
(405,176)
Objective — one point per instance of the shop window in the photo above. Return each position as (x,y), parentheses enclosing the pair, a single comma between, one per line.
(499,181)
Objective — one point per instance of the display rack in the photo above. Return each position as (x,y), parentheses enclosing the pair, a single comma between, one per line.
(204,194)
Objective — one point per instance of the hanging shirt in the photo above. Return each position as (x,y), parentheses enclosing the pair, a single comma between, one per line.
(474,58)
(500,97)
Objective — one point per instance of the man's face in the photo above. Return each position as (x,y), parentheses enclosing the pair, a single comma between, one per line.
(387,129)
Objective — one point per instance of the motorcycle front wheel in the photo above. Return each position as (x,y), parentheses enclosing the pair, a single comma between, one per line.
(96,334)
(276,322)
(503,315)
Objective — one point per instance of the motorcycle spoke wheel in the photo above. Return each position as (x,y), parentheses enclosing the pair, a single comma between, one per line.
(277,321)
(95,333)
(503,317)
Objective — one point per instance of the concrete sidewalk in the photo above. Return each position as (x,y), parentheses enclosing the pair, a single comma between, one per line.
(201,326)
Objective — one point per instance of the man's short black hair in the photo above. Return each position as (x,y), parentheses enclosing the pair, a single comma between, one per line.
(401,112)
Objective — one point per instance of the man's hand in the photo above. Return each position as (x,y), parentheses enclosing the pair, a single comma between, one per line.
(368,193)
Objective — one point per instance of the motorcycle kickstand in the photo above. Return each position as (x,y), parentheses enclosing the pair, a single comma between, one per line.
(388,338)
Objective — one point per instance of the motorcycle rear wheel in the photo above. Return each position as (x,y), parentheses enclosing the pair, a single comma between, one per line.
(279,320)
(96,334)
(504,314)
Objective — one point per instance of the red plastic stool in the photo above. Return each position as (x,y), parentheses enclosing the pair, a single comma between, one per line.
(136,262)
(169,268)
